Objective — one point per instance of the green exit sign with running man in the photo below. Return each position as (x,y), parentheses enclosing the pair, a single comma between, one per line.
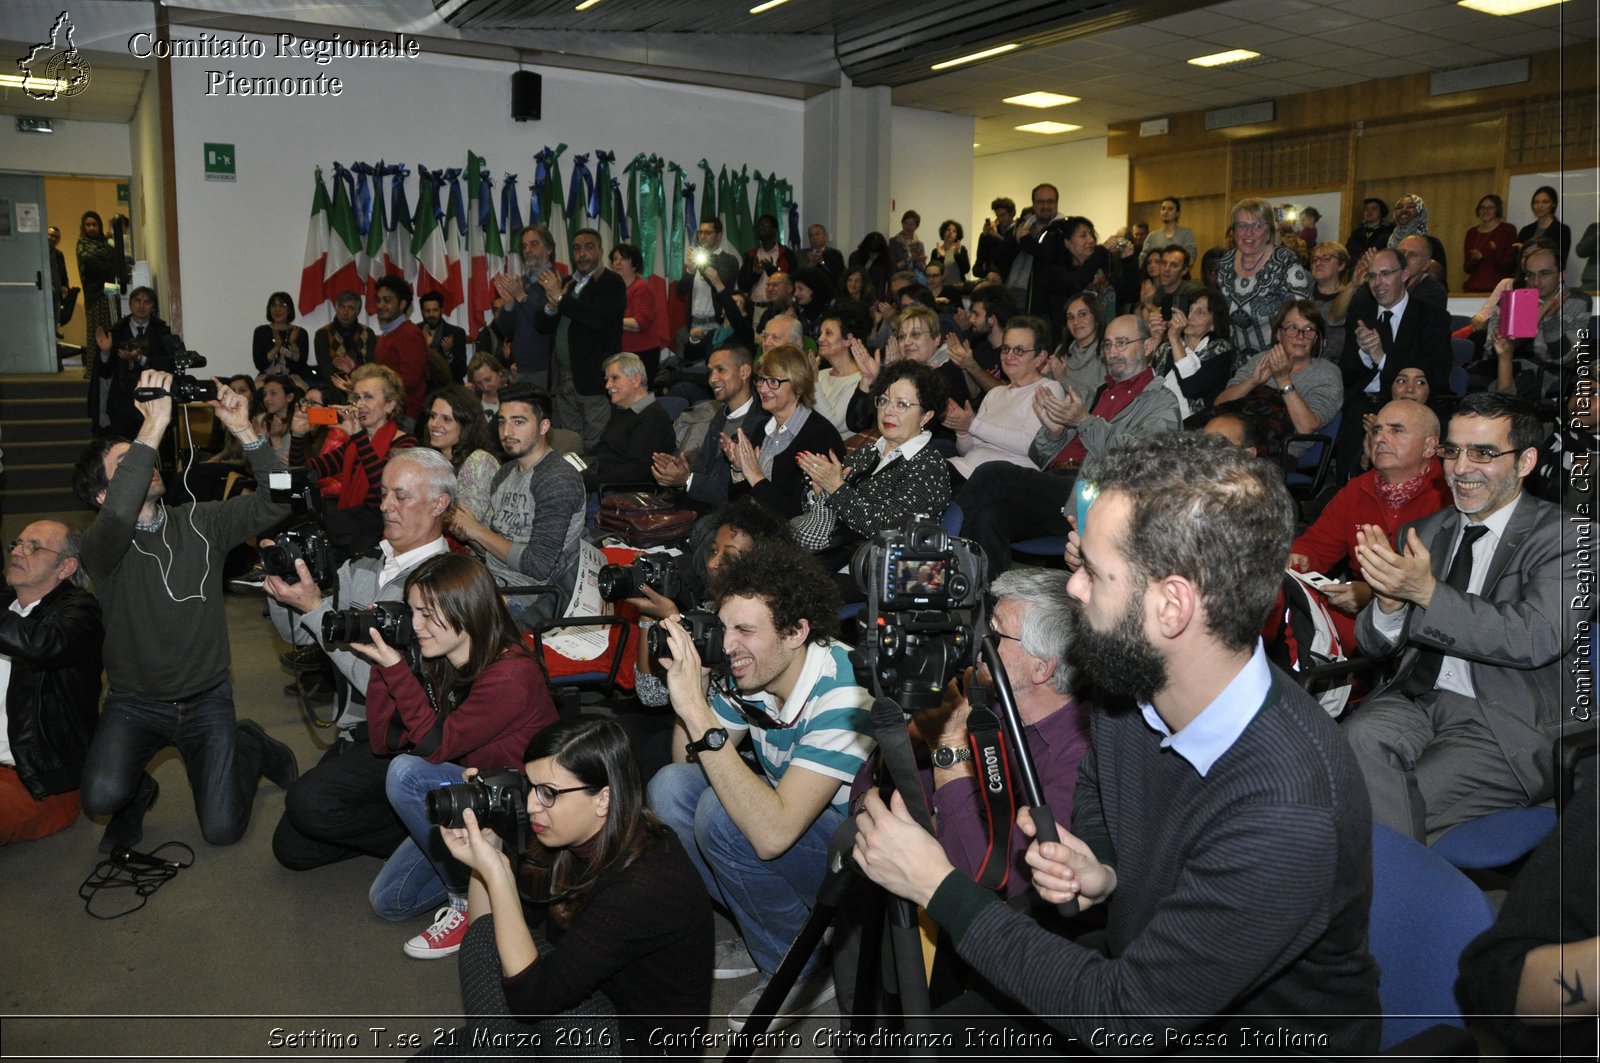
(219,162)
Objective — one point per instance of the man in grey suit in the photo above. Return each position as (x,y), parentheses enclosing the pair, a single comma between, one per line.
(1473,602)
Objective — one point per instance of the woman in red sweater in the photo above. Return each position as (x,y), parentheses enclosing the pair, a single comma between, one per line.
(471,696)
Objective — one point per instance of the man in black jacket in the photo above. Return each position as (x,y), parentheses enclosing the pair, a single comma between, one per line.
(705,475)
(449,341)
(584,312)
(50,635)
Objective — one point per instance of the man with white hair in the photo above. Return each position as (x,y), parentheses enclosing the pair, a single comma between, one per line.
(639,428)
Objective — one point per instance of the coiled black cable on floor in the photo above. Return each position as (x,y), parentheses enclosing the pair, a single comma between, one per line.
(142,873)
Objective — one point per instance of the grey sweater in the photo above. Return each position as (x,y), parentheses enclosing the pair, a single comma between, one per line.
(161,591)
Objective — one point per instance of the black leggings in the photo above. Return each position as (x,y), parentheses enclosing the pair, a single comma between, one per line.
(1004,503)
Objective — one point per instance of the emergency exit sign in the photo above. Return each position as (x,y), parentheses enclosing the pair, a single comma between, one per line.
(219,162)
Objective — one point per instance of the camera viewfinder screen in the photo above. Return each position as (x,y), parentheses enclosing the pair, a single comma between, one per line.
(918,579)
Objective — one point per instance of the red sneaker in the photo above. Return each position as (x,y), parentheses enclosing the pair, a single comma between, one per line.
(441,939)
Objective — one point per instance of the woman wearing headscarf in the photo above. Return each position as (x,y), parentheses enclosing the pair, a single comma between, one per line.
(1411,219)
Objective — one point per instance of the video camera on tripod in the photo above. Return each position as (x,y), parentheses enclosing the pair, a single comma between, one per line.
(185,388)
(925,610)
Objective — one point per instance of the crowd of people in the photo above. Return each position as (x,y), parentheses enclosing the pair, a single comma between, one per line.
(798,402)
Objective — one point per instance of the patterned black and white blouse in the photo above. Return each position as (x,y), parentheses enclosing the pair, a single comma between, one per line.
(1252,301)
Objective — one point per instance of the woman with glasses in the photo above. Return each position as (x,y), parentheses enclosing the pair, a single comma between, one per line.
(1003,426)
(914,337)
(1258,276)
(1533,366)
(785,384)
(1196,358)
(458,430)
(623,962)
(1077,363)
(852,496)
(1332,290)
(472,698)
(1490,247)
(280,346)
(1288,388)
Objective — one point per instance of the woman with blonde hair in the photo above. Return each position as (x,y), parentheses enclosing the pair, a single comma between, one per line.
(785,384)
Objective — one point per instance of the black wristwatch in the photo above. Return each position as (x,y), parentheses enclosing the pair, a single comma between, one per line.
(711,741)
(949,756)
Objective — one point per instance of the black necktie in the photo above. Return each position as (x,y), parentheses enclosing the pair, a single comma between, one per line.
(1386,331)
(1425,672)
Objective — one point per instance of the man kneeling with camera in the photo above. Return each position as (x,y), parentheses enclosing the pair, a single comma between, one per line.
(338,809)
(760,841)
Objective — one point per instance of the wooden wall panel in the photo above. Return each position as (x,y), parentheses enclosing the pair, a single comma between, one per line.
(1452,201)
(1194,174)
(1433,148)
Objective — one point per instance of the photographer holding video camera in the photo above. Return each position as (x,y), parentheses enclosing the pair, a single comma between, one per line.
(158,574)
(338,808)
(470,695)
(760,842)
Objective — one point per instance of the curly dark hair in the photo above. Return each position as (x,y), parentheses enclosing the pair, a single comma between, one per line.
(931,390)
(793,584)
(746,515)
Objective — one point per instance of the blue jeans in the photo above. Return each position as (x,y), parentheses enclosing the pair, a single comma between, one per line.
(223,772)
(421,874)
(769,899)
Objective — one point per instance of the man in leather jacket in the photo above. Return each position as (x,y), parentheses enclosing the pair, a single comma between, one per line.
(50,636)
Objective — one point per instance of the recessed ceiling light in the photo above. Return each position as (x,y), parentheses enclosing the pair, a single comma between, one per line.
(586,5)
(1237,55)
(768,6)
(40,86)
(1048,127)
(974,57)
(1040,99)
(1507,7)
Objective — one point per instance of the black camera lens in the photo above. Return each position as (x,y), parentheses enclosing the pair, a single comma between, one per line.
(617,583)
(445,804)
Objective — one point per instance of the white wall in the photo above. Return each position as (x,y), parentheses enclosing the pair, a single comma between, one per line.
(240,241)
(929,172)
(1090,183)
(1579,195)
(87,149)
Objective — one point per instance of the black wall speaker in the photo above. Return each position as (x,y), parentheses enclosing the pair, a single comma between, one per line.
(527,90)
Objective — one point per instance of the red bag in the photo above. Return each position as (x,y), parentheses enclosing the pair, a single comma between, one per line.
(645,520)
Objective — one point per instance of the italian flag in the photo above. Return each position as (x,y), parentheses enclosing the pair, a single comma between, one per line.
(316,261)
(373,254)
(344,243)
(455,220)
(398,259)
(486,253)
(427,242)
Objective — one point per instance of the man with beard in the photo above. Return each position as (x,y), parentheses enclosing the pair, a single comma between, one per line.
(447,341)
(1472,599)
(401,345)
(523,300)
(1218,811)
(536,509)
(706,476)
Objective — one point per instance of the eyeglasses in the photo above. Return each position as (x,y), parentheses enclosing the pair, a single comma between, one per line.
(1299,330)
(1383,274)
(1249,226)
(884,402)
(772,383)
(1478,455)
(1003,351)
(546,794)
(912,334)
(29,547)
(1325,258)
(1122,343)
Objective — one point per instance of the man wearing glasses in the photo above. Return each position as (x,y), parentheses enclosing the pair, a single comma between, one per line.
(760,841)
(1392,333)
(50,637)
(1471,599)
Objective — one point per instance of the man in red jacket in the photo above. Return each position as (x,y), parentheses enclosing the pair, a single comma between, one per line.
(401,344)
(1404,484)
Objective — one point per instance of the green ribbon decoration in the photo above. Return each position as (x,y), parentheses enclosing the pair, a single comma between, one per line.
(725,211)
(648,230)
(708,192)
(741,199)
(551,197)
(674,249)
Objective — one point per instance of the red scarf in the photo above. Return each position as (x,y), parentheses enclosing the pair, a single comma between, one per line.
(1395,496)
(353,485)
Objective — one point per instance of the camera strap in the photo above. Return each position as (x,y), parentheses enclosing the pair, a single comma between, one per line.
(993,765)
(395,735)
(894,747)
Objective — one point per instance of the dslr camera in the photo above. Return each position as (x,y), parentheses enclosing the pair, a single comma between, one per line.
(185,388)
(705,631)
(659,572)
(305,540)
(499,800)
(925,611)
(392,619)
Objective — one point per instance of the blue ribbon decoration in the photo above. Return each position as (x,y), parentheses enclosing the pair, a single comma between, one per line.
(581,191)
(399,209)
(620,208)
(510,209)
(485,197)
(363,198)
(691,222)
(457,209)
(598,207)
(541,174)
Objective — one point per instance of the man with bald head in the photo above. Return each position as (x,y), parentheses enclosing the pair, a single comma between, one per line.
(1405,483)
(50,636)
(1424,285)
